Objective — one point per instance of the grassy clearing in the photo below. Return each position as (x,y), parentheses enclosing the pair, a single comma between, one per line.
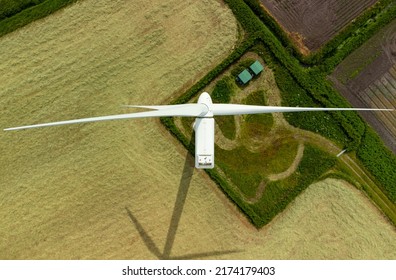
(64,190)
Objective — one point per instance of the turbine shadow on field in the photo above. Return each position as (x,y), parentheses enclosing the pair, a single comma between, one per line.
(181,197)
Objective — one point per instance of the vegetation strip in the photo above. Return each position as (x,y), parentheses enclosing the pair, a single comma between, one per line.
(16,14)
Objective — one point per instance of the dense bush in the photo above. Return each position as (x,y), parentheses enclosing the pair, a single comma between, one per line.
(9,8)
(245,16)
(234,56)
(295,96)
(25,12)
(379,161)
(223,90)
(269,21)
(361,28)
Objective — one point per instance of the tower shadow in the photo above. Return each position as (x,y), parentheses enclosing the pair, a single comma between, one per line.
(184,186)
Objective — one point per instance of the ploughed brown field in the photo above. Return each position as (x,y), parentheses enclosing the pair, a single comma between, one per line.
(367,78)
(311,23)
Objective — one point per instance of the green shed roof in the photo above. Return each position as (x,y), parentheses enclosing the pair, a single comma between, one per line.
(256,67)
(245,76)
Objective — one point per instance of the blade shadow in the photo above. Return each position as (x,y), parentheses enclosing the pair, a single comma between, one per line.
(184,186)
(150,244)
(204,255)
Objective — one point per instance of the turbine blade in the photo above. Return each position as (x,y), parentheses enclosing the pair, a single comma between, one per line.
(184,110)
(190,106)
(237,109)
(180,110)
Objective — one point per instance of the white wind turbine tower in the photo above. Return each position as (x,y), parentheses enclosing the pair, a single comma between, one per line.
(204,111)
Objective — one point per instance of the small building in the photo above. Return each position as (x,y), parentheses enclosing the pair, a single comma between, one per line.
(244,77)
(256,68)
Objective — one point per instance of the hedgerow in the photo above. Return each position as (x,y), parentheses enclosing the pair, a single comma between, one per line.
(25,12)
(9,8)
(355,39)
(274,27)
(234,56)
(379,161)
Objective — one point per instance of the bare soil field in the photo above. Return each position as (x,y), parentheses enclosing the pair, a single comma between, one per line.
(368,78)
(313,23)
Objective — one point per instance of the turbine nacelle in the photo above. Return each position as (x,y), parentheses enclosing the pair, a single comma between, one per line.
(205,99)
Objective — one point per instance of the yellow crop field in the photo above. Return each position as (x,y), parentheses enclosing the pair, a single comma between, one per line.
(128,189)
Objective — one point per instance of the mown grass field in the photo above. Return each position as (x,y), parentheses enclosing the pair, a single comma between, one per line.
(64,190)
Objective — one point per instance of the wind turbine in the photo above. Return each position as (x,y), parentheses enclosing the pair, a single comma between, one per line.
(204,111)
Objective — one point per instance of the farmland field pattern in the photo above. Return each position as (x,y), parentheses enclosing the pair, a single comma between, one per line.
(316,21)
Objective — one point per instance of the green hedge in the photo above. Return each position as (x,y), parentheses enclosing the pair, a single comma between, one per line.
(358,37)
(250,23)
(29,13)
(235,55)
(379,161)
(223,90)
(322,93)
(274,27)
(9,8)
